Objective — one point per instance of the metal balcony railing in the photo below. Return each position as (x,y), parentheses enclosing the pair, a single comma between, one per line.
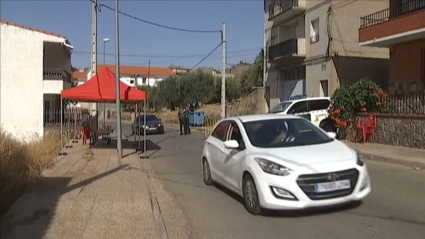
(399,9)
(281,6)
(282,49)
(56,74)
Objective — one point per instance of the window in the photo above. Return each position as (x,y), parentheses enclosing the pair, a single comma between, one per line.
(319,105)
(324,88)
(294,74)
(279,133)
(148,118)
(220,131)
(131,81)
(280,107)
(144,80)
(314,31)
(299,107)
(235,134)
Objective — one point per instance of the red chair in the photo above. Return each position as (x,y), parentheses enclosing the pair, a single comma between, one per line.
(366,128)
(86,134)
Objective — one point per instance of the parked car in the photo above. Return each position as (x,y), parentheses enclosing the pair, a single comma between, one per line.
(314,109)
(153,125)
(282,162)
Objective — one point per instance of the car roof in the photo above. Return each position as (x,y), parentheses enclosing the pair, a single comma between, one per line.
(307,99)
(250,118)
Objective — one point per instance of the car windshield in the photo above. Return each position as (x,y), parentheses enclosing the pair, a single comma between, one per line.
(276,133)
(148,118)
(280,107)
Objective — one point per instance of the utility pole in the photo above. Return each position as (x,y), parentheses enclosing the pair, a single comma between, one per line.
(223,74)
(117,84)
(94,43)
(105,40)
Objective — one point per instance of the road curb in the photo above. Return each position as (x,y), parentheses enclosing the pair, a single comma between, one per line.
(389,160)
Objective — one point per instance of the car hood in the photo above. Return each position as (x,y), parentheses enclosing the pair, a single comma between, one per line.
(331,152)
(155,122)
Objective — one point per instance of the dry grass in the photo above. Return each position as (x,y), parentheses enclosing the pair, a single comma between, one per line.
(21,164)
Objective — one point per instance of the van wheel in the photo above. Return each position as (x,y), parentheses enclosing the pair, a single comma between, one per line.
(327,126)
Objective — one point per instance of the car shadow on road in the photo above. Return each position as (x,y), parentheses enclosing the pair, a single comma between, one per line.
(32,215)
(294,213)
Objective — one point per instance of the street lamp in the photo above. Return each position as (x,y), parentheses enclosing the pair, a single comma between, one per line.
(105,40)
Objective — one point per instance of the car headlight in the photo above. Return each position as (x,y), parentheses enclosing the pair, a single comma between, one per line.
(272,168)
(359,160)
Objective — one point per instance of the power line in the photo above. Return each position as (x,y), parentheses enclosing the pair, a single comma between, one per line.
(166,56)
(99,7)
(209,54)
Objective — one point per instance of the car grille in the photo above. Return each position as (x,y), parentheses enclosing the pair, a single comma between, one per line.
(307,181)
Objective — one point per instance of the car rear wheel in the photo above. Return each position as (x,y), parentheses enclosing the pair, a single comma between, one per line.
(206,173)
(250,196)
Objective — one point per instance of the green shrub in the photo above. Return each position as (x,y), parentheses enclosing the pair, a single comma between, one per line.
(364,96)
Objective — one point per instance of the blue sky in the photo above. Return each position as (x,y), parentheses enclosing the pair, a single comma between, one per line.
(244,25)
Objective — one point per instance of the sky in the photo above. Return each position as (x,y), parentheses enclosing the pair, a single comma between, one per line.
(141,42)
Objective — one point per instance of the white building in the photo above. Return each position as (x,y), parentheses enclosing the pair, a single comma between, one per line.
(140,75)
(312,47)
(35,67)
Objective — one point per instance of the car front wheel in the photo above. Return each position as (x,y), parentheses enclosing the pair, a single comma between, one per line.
(250,196)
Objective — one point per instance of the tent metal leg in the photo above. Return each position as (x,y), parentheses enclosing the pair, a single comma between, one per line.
(61,115)
(69,128)
(138,136)
(144,131)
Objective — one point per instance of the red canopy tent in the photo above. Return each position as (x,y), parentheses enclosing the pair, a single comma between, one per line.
(101,88)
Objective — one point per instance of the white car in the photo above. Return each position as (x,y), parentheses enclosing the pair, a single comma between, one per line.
(314,109)
(282,162)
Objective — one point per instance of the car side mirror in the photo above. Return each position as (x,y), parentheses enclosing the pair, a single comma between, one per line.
(231,144)
(331,134)
(159,119)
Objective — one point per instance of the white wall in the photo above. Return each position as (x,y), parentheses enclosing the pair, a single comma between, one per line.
(21,81)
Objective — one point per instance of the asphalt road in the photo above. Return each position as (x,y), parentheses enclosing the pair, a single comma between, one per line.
(394,209)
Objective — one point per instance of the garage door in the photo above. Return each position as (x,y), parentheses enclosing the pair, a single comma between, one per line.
(292,88)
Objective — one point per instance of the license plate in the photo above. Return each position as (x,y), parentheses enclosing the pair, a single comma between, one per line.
(332,186)
(152,128)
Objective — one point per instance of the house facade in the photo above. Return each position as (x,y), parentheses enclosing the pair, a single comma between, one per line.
(312,47)
(401,29)
(35,68)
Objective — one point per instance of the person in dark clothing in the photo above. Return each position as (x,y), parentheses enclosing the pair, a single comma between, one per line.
(182,120)
(187,125)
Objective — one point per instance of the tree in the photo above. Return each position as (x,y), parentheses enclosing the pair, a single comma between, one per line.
(253,77)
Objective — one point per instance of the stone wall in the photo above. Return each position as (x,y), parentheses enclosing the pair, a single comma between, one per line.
(398,130)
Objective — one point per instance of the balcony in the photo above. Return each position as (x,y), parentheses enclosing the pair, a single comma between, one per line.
(288,48)
(56,74)
(55,80)
(281,10)
(402,22)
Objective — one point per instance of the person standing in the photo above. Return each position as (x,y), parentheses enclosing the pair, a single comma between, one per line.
(187,124)
(182,120)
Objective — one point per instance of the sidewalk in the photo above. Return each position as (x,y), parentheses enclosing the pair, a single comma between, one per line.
(96,198)
(410,157)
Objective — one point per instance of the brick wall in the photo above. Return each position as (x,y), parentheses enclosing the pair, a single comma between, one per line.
(404,23)
(406,61)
